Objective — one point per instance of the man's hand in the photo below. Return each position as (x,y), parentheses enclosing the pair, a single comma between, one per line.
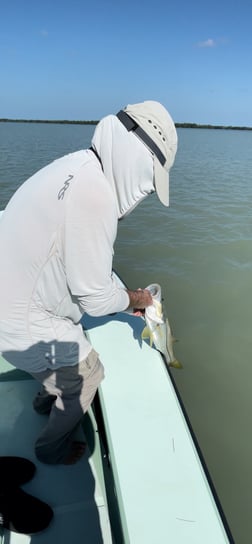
(139,299)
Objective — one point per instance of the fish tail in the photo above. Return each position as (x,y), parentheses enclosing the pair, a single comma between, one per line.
(175,364)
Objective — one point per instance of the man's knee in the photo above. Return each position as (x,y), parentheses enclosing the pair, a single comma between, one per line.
(43,405)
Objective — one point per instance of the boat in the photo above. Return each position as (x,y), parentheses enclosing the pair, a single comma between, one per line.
(143,479)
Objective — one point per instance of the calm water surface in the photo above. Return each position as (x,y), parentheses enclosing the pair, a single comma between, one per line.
(200,251)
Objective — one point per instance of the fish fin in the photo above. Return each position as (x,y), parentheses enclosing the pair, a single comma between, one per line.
(147,335)
(175,364)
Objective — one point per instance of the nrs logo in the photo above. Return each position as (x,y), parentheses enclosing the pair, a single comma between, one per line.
(62,191)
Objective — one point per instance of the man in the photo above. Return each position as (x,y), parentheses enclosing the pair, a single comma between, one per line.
(57,235)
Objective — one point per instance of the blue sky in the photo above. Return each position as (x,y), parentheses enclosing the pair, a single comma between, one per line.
(86,59)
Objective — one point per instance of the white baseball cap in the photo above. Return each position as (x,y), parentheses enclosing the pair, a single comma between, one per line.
(152,123)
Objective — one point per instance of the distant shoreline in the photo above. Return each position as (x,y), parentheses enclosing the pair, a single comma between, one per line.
(66,122)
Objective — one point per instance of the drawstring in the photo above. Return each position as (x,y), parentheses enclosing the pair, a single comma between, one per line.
(97,156)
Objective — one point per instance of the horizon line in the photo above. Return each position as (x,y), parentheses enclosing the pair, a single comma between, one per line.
(95,122)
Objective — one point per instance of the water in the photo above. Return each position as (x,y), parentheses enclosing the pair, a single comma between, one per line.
(200,251)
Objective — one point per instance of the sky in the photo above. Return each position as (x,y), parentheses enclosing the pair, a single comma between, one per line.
(82,60)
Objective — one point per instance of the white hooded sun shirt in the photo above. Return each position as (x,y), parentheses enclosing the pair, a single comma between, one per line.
(56,245)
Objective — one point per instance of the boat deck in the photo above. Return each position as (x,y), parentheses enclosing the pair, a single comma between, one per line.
(162,488)
(144,453)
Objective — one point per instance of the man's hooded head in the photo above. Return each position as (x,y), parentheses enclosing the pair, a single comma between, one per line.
(137,148)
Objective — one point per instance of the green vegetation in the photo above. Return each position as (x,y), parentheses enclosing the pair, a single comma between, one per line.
(57,122)
(216,127)
(66,122)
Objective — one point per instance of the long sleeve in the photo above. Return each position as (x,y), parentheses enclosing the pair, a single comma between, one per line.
(90,232)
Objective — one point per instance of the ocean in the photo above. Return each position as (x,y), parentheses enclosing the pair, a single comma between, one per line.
(200,251)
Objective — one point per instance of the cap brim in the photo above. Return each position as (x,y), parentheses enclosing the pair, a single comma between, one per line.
(161,182)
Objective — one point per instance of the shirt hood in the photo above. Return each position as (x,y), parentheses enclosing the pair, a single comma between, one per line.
(127,163)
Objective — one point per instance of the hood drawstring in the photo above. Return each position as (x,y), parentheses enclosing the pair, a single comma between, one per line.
(97,156)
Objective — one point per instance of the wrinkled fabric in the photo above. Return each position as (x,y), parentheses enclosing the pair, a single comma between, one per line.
(66,395)
(56,245)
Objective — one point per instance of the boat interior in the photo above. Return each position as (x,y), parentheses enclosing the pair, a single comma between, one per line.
(142,479)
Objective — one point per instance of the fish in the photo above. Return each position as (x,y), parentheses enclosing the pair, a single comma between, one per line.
(157,329)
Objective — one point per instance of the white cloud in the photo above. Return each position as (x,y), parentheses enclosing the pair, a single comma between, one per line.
(207,43)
